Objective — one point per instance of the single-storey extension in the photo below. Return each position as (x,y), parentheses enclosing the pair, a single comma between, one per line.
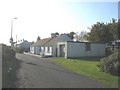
(70,49)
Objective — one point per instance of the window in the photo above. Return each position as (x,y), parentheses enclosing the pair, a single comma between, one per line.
(48,49)
(39,48)
(43,48)
(88,46)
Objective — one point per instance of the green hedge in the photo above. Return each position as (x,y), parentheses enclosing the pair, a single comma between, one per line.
(8,65)
(21,50)
(110,64)
(18,50)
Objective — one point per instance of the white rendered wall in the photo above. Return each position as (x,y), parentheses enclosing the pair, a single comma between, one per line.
(78,50)
(32,49)
(48,53)
(97,50)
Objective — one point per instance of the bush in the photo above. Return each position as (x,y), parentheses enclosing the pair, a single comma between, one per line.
(21,50)
(18,50)
(110,64)
(109,51)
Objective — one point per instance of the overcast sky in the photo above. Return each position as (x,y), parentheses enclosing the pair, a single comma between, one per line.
(43,17)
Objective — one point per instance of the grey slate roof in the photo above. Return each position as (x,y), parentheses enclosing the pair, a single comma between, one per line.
(55,40)
(41,42)
(50,41)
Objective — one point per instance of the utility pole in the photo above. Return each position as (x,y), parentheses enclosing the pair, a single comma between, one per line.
(11,39)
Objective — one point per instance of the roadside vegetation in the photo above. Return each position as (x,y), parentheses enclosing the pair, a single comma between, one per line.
(104,32)
(20,50)
(110,64)
(8,66)
(89,68)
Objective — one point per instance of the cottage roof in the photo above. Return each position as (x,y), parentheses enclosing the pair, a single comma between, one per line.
(52,41)
(57,39)
(41,42)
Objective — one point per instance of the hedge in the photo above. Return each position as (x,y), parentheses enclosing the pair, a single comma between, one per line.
(110,64)
(8,65)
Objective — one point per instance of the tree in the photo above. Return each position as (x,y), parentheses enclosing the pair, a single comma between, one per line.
(38,38)
(100,32)
(113,27)
(118,29)
(82,35)
(32,42)
(71,35)
(76,36)
(56,33)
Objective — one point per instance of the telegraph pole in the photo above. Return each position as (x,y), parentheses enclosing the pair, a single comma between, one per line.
(11,39)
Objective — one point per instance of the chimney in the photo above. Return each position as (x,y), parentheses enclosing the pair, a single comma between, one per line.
(53,35)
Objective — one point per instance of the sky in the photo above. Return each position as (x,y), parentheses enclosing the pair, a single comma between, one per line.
(43,17)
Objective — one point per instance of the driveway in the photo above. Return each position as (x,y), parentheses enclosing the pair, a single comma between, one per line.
(36,72)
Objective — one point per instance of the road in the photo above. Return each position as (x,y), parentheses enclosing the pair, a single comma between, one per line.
(36,72)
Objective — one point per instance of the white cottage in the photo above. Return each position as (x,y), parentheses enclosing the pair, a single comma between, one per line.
(48,46)
(38,46)
(70,49)
(51,46)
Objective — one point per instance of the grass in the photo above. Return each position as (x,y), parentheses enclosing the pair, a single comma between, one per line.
(88,67)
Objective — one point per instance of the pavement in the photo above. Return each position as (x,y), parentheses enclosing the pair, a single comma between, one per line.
(36,72)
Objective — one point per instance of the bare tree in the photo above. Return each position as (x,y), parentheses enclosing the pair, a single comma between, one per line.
(80,36)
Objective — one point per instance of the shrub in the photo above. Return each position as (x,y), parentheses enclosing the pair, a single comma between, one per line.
(18,50)
(110,64)
(109,51)
(21,50)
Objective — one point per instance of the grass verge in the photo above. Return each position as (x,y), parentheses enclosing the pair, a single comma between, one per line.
(88,67)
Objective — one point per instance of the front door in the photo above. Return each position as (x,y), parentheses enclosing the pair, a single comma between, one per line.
(62,51)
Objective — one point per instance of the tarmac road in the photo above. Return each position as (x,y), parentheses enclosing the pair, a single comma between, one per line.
(36,72)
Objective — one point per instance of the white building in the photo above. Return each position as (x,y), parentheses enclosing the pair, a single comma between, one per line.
(70,49)
(64,46)
(48,46)
(51,46)
(37,47)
